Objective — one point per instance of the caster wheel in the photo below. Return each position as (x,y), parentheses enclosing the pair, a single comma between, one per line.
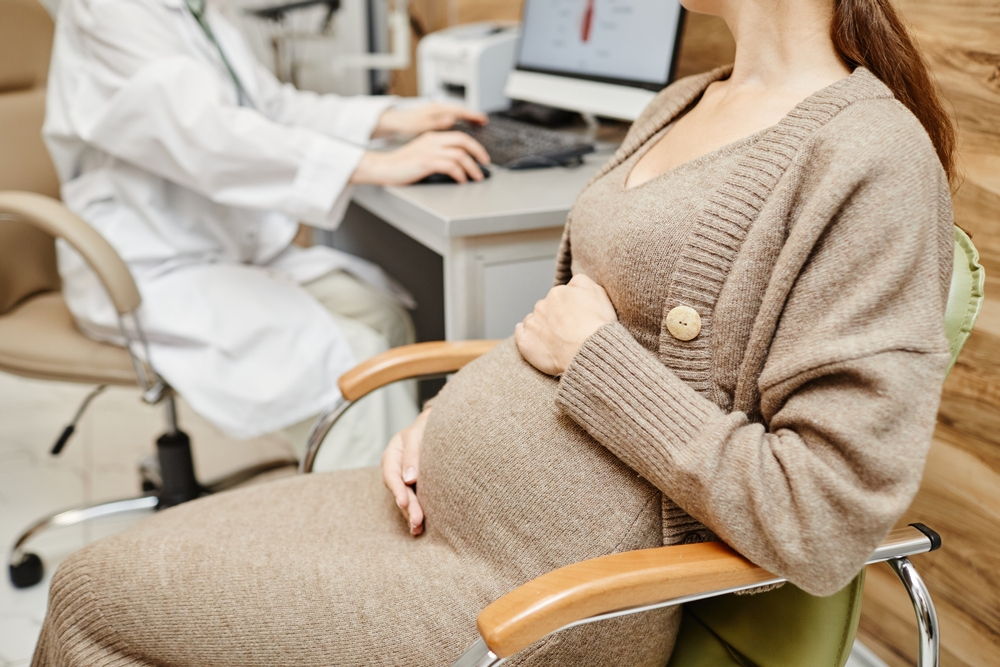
(28,572)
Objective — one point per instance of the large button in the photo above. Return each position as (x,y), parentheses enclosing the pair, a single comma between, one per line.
(684,323)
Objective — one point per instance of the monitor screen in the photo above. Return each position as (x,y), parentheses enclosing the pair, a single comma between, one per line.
(634,42)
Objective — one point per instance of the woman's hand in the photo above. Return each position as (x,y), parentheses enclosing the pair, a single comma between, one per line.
(453,153)
(550,337)
(400,468)
(425,118)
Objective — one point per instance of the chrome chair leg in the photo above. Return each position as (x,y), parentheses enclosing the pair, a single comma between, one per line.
(927,622)
(26,568)
(318,433)
(478,655)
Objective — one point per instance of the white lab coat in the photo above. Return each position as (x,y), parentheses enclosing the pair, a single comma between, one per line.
(201,197)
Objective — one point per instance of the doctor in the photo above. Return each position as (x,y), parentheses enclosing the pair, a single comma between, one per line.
(196,164)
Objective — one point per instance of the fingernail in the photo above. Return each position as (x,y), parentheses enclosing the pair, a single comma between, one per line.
(410,475)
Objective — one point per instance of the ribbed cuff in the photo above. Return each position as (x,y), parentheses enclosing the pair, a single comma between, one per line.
(322,179)
(630,402)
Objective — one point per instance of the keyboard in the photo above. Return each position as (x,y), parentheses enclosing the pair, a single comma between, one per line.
(515,144)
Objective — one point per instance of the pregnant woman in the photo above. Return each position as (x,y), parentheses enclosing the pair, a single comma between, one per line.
(746,344)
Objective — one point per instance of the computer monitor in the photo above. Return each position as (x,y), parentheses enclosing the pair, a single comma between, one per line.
(603,57)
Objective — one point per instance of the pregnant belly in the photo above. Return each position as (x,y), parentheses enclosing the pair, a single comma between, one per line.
(506,476)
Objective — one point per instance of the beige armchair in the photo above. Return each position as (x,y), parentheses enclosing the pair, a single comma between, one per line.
(38,337)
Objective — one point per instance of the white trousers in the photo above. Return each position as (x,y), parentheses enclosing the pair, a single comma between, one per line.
(372,323)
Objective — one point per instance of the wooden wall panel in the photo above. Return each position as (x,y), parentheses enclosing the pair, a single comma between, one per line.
(470,11)
(960,494)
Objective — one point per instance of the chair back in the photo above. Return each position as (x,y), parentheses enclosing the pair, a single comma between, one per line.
(787,627)
(27,255)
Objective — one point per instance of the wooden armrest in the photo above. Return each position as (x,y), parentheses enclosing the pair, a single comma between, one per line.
(55,219)
(636,579)
(610,583)
(410,361)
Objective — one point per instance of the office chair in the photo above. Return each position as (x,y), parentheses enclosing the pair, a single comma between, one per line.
(785,627)
(38,338)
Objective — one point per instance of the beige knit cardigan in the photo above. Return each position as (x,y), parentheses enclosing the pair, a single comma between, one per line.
(795,427)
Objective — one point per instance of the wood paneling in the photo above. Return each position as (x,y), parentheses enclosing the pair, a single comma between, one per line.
(960,494)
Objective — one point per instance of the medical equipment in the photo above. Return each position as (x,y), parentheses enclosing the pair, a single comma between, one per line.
(197,8)
(346,35)
(468,64)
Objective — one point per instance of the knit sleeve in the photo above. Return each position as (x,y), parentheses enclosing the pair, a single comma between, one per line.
(849,395)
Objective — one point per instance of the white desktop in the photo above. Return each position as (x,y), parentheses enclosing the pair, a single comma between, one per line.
(601,57)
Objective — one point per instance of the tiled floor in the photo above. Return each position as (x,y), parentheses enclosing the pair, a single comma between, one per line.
(98,464)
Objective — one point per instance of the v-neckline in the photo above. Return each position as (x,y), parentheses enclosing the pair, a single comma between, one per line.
(670,115)
(694,162)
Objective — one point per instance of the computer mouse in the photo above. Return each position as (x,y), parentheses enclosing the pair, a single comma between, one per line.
(445,178)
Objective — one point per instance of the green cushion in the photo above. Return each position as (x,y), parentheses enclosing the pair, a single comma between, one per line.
(965,298)
(698,647)
(785,627)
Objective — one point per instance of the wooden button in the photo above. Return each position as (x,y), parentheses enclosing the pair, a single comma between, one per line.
(684,323)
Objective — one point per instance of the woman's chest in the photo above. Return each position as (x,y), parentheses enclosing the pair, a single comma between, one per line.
(629,239)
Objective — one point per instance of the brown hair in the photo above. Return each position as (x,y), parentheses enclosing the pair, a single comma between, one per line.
(871,34)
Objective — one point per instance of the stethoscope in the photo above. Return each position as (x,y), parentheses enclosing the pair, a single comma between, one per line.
(197,8)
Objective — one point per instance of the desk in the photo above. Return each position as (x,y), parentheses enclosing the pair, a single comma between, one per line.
(495,244)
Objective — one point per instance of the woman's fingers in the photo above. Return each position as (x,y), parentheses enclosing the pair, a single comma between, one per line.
(392,472)
(582,280)
(411,456)
(416,513)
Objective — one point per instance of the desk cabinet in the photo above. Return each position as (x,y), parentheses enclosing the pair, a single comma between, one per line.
(477,256)
(477,287)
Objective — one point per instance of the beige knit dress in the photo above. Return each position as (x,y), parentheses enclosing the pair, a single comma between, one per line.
(795,426)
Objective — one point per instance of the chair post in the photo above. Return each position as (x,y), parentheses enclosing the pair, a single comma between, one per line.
(173,448)
(927,622)
(318,433)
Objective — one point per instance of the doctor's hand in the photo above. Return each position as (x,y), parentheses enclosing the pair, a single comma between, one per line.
(425,118)
(400,467)
(453,153)
(550,337)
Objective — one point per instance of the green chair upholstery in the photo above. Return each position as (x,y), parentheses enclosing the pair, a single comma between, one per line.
(787,627)
(965,299)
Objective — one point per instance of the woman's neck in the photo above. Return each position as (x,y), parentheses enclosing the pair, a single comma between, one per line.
(783,44)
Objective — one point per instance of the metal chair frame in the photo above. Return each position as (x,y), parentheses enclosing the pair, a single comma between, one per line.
(178,483)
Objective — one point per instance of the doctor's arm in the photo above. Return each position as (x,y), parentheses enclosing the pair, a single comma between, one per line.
(147,101)
(355,119)
(171,118)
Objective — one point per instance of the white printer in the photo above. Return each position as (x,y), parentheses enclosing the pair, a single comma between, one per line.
(468,64)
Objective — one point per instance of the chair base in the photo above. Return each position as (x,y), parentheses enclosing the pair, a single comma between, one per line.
(176,484)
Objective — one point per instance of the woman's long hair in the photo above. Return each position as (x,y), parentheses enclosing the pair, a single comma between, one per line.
(870,33)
